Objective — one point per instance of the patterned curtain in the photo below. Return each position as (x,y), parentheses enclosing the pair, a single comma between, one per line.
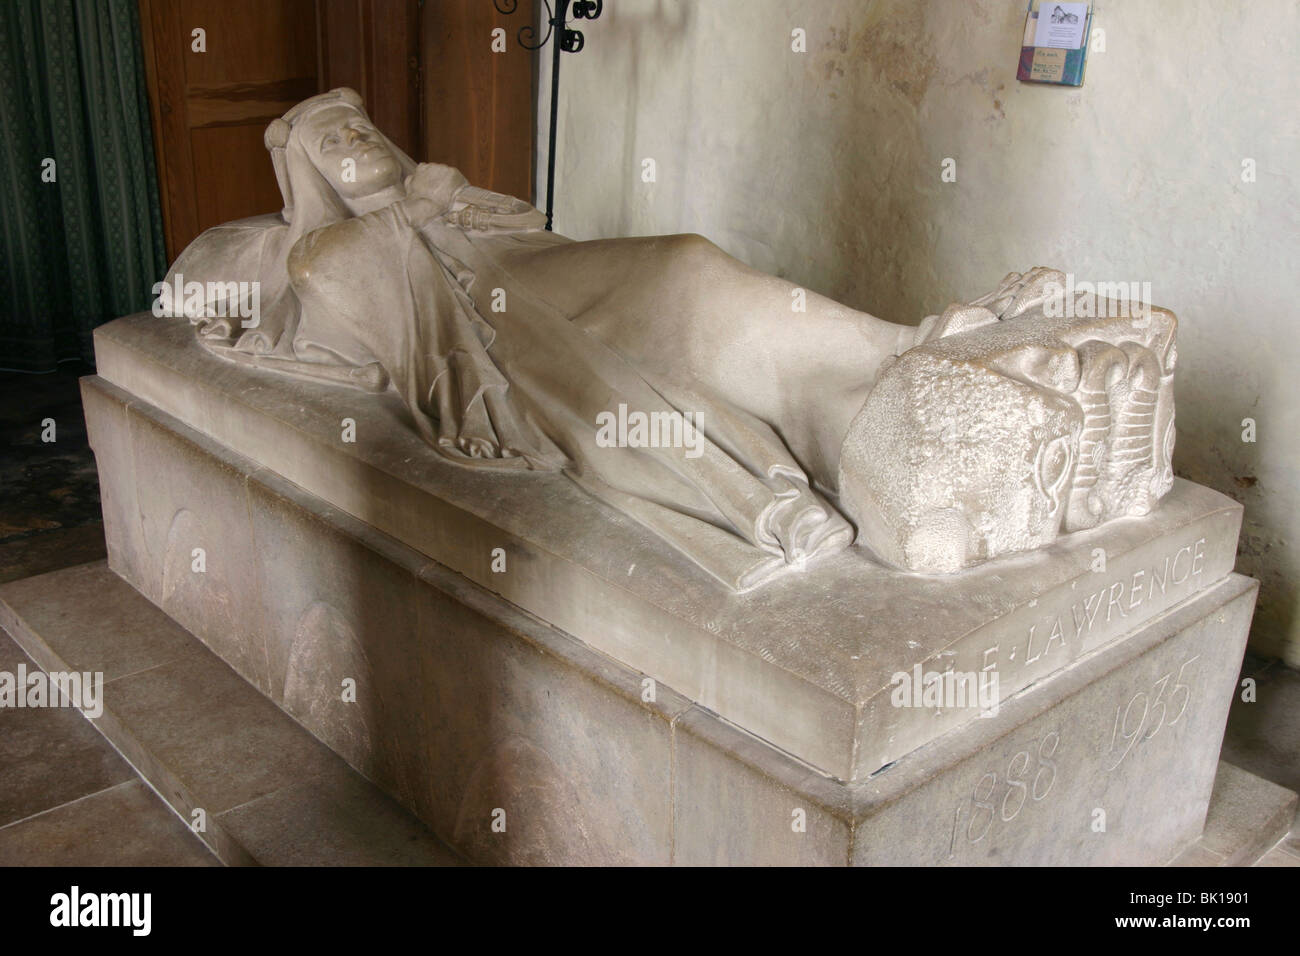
(82,230)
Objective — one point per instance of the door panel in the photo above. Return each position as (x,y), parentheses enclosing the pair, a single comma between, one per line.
(211,107)
(467,106)
(478,105)
(232,163)
(373,46)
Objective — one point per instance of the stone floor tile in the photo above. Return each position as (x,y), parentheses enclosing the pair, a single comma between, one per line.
(1278,857)
(336,819)
(214,731)
(1247,815)
(49,755)
(126,825)
(95,621)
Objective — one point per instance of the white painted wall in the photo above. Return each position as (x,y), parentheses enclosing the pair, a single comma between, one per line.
(824,167)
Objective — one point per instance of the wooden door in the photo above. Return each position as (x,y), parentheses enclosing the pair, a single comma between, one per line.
(212,94)
(478,105)
(373,46)
(426,72)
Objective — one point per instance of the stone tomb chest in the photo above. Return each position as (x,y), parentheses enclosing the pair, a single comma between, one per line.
(517,645)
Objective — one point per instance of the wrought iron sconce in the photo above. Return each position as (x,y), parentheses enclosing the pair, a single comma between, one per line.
(568,41)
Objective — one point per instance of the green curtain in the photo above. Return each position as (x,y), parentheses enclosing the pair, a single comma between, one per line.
(88,246)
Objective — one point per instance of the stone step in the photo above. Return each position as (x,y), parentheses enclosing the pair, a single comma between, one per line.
(1249,819)
(203,738)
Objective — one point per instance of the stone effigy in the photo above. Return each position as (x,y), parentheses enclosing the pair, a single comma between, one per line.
(657,554)
(741,419)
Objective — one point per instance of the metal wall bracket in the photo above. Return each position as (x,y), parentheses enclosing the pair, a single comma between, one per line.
(570,41)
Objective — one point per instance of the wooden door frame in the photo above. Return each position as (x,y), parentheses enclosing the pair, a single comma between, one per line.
(176,194)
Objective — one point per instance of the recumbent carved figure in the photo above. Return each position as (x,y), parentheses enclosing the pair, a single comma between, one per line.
(773,436)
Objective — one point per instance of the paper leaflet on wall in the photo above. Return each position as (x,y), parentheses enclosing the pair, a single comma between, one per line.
(1055,44)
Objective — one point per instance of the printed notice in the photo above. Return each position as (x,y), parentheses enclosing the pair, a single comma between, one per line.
(1048,66)
(1060,25)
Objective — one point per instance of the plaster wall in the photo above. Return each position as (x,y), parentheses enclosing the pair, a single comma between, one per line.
(825,167)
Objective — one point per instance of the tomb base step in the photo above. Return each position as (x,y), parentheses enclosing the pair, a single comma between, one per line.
(251,783)
(1248,817)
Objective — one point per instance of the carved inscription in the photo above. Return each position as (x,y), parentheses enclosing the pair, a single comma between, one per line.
(1150,710)
(1030,776)
(1112,600)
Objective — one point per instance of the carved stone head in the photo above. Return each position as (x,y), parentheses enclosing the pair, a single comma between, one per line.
(1009,425)
(326,152)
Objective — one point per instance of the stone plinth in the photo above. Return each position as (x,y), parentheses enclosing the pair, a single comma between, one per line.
(805,662)
(621,707)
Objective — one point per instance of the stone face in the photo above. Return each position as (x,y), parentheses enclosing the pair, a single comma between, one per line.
(736,801)
(581,767)
(1134,751)
(106,419)
(329,625)
(453,715)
